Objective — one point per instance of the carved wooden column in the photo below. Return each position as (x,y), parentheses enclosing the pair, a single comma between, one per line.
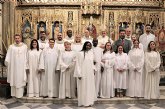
(1,27)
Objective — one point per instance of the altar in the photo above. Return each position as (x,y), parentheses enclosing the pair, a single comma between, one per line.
(54,16)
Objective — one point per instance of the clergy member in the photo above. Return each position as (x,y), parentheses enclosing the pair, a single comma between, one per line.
(16,62)
(48,63)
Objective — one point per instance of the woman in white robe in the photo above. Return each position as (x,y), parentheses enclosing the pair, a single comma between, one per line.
(121,74)
(107,80)
(84,71)
(136,65)
(33,74)
(67,87)
(152,73)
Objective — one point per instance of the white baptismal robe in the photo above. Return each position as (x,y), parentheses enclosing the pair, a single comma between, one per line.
(67,86)
(49,83)
(145,39)
(43,44)
(98,52)
(107,80)
(33,75)
(135,81)
(103,40)
(152,75)
(86,85)
(121,78)
(77,47)
(16,61)
(59,45)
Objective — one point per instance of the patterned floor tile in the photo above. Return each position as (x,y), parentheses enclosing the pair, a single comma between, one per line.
(55,106)
(143,106)
(121,106)
(100,106)
(14,104)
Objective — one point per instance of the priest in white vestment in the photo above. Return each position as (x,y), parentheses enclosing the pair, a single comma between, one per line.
(59,43)
(152,73)
(87,37)
(16,62)
(34,55)
(69,37)
(107,80)
(121,73)
(43,42)
(103,39)
(146,38)
(136,65)
(98,52)
(128,34)
(77,45)
(48,63)
(67,88)
(84,71)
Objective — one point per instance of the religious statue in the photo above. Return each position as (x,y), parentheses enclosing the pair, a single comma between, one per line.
(138,31)
(57,29)
(92,28)
(41,28)
(161,40)
(27,36)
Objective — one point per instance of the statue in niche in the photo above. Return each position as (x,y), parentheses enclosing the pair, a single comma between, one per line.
(139,29)
(161,39)
(91,28)
(27,36)
(41,27)
(57,27)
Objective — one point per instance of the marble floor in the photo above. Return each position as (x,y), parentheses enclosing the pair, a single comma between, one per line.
(14,104)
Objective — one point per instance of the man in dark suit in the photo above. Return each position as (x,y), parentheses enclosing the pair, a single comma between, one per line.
(122,41)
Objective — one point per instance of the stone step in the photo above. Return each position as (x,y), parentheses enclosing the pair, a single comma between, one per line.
(124,100)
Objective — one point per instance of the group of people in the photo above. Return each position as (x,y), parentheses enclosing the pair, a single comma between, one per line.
(84,67)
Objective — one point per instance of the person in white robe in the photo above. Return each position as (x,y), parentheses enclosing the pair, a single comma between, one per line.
(136,65)
(107,80)
(121,74)
(87,37)
(69,37)
(59,43)
(134,38)
(33,65)
(16,62)
(98,52)
(128,34)
(152,73)
(48,64)
(67,88)
(84,71)
(146,37)
(77,45)
(103,39)
(43,41)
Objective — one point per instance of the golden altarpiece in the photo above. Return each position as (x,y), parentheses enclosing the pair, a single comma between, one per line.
(29,17)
